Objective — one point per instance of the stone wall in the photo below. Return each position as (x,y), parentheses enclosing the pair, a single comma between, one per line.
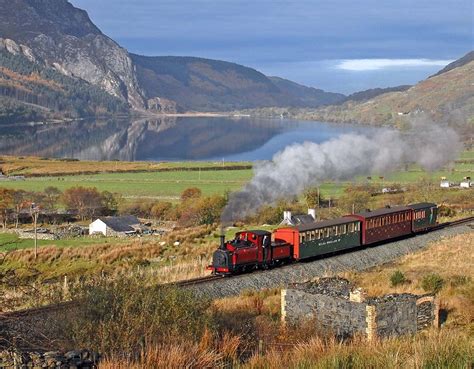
(53,359)
(349,313)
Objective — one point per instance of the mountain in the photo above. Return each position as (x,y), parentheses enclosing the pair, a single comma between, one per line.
(373,92)
(307,96)
(59,35)
(212,85)
(447,96)
(30,92)
(469,57)
(53,34)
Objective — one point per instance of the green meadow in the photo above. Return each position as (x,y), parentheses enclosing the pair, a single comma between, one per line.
(170,184)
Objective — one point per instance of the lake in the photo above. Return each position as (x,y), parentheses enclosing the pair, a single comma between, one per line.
(167,138)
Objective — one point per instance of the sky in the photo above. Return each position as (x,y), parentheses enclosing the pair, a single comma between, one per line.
(337,45)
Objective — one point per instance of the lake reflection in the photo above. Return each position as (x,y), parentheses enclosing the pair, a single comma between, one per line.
(167,138)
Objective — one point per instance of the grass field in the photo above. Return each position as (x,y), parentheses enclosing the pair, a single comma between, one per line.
(153,183)
(19,165)
(9,242)
(145,184)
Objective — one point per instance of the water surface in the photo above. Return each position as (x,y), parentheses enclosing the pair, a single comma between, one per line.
(167,138)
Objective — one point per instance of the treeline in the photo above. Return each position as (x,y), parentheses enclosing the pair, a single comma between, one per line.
(86,203)
(34,83)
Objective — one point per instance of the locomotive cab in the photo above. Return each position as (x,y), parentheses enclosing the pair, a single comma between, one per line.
(247,250)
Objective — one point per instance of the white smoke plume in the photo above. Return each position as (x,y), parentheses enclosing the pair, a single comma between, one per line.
(301,166)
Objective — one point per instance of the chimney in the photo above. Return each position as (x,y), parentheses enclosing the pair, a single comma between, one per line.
(287,216)
(222,237)
(312,212)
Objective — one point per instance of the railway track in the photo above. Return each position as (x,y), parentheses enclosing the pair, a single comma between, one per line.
(37,311)
(186,283)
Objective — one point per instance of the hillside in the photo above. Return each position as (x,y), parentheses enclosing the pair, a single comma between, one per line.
(58,34)
(211,85)
(469,57)
(445,97)
(32,91)
(55,34)
(374,92)
(307,96)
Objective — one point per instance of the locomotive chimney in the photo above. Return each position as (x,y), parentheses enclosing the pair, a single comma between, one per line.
(222,238)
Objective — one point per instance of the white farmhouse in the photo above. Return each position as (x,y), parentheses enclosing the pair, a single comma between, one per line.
(115,226)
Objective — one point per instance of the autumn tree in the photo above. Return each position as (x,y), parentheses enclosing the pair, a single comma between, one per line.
(20,200)
(6,205)
(51,198)
(87,201)
(191,193)
(355,199)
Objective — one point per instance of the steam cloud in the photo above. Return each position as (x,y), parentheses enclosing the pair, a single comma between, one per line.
(301,166)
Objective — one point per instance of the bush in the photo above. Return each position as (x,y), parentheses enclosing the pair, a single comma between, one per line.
(124,317)
(397,278)
(432,283)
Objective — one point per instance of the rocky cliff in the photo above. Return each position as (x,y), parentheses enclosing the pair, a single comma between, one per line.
(62,36)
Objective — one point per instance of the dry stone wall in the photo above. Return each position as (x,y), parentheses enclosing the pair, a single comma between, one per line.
(12,359)
(349,313)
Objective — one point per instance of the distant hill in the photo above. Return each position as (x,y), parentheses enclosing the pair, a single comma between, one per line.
(212,85)
(53,34)
(373,92)
(469,57)
(446,96)
(307,96)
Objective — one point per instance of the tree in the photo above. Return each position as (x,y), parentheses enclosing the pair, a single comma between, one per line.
(51,198)
(355,199)
(86,201)
(191,193)
(6,205)
(20,202)
(161,210)
(109,202)
(312,197)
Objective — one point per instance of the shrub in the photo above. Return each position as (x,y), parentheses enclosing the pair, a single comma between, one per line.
(459,280)
(397,278)
(124,317)
(432,283)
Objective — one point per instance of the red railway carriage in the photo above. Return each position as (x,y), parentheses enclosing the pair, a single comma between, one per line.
(383,224)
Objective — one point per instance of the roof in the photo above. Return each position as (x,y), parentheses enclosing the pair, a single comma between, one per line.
(422,205)
(258,232)
(325,223)
(383,211)
(122,223)
(298,219)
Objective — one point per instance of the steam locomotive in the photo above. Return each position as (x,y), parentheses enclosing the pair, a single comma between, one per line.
(257,249)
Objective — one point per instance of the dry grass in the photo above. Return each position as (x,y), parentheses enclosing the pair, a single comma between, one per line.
(445,349)
(452,258)
(36,166)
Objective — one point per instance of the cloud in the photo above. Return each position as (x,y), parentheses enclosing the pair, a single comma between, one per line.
(359,65)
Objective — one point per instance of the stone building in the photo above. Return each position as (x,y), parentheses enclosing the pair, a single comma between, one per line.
(115,226)
(334,304)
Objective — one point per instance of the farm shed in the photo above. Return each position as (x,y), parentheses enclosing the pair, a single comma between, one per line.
(115,226)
